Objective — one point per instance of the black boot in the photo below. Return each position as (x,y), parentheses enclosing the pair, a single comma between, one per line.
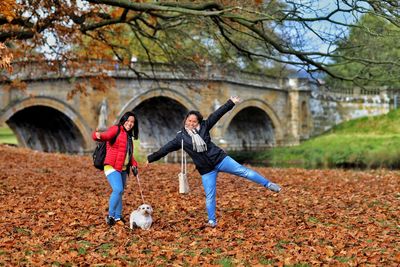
(110,220)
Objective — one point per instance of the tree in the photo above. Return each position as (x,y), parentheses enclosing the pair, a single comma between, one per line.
(376,40)
(190,43)
(7,14)
(265,31)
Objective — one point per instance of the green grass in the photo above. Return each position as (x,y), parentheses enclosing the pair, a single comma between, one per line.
(341,150)
(371,142)
(140,156)
(7,136)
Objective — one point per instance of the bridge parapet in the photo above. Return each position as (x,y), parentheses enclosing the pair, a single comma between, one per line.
(357,92)
(32,70)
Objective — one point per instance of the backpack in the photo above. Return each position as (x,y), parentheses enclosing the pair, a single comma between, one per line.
(99,153)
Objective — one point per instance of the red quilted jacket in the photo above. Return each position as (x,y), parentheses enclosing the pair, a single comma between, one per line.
(116,152)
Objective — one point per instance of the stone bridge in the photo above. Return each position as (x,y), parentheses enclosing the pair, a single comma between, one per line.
(273,112)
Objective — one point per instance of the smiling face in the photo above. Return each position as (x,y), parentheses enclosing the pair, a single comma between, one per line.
(191,122)
(128,124)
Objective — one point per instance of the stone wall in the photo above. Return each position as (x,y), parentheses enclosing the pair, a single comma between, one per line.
(329,108)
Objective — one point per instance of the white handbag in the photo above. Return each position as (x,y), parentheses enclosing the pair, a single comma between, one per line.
(183,181)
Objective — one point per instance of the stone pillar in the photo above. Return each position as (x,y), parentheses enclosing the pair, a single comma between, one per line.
(103,116)
(293,130)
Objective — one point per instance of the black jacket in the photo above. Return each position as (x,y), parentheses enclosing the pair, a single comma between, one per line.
(204,161)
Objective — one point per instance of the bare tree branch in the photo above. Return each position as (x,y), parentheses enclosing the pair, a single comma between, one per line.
(277,31)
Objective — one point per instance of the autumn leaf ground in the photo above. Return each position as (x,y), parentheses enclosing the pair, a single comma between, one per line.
(53,207)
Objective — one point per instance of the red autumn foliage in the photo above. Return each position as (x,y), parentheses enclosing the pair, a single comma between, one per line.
(53,207)
(5,58)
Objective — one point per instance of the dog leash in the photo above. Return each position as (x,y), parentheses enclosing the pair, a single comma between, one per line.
(140,187)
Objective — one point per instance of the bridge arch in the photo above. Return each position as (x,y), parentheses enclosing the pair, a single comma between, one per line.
(160,113)
(47,124)
(165,92)
(253,124)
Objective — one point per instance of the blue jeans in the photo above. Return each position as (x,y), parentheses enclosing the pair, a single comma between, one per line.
(228,165)
(117,180)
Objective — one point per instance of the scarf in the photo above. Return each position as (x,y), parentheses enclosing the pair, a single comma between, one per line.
(198,143)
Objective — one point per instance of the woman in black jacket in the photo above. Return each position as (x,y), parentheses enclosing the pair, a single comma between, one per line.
(209,158)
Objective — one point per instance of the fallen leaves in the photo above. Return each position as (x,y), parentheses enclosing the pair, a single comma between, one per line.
(53,208)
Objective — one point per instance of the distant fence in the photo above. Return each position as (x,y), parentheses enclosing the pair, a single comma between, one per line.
(356,92)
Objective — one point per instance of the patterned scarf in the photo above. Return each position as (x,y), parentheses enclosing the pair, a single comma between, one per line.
(198,143)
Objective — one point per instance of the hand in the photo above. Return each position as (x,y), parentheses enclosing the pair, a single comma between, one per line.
(235,99)
(135,171)
(97,134)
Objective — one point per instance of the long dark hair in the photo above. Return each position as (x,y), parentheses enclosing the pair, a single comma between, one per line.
(135,130)
(193,112)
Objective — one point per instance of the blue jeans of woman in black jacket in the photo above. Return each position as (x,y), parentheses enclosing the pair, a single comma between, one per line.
(229,165)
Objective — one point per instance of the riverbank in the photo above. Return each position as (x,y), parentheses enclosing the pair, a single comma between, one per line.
(366,143)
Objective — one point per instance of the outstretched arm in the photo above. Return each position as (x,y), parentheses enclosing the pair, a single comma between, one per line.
(216,115)
(171,146)
(108,135)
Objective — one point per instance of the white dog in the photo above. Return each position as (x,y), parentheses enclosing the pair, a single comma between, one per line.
(141,217)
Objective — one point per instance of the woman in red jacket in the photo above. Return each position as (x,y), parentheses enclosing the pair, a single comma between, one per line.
(119,159)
